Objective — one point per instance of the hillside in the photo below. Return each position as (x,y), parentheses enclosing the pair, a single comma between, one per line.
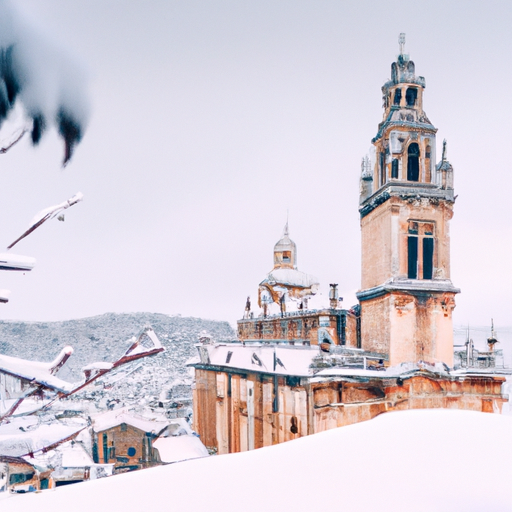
(105,338)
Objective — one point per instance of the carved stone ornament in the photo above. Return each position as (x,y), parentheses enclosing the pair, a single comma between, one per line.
(439,273)
(448,304)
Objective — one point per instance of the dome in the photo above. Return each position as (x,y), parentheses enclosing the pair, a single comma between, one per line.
(285,251)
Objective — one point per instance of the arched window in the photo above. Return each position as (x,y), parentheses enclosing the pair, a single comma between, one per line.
(428,176)
(394,168)
(413,162)
(398,96)
(412,251)
(382,168)
(410,96)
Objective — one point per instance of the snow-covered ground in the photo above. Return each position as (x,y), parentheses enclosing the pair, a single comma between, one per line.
(421,460)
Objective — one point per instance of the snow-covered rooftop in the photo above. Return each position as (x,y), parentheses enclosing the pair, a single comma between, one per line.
(178,448)
(38,372)
(75,456)
(21,443)
(290,277)
(114,418)
(279,359)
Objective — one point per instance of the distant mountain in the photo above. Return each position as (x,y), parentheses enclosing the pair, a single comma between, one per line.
(105,338)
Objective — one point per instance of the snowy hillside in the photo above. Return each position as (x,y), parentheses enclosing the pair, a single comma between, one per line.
(105,338)
(421,460)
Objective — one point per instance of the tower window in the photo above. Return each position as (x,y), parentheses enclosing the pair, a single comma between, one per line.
(413,162)
(287,256)
(394,168)
(428,257)
(398,96)
(428,176)
(410,96)
(420,250)
(412,257)
(382,168)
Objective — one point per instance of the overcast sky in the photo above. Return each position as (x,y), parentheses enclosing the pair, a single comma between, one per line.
(211,119)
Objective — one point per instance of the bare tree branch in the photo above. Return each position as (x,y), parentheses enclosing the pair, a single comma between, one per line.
(14,142)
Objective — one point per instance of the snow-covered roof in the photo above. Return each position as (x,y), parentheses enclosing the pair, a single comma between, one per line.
(10,261)
(279,359)
(43,437)
(176,427)
(178,448)
(290,277)
(75,456)
(359,372)
(35,371)
(116,417)
(425,460)
(299,360)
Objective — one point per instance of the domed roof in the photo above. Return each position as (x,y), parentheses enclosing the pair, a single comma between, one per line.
(290,277)
(285,243)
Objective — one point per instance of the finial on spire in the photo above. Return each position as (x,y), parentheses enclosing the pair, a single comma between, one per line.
(401,42)
(443,158)
(285,232)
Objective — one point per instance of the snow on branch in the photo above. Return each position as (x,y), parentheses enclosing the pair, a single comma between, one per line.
(37,377)
(46,214)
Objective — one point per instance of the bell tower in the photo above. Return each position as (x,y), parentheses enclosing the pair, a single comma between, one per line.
(406,204)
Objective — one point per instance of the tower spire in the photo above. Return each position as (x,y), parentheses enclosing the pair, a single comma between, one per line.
(401,42)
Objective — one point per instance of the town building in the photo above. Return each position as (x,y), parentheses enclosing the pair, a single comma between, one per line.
(131,441)
(125,439)
(19,475)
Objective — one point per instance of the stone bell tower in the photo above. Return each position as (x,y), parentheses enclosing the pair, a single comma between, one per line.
(406,205)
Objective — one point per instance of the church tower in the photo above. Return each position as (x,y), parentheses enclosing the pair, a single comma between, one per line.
(406,204)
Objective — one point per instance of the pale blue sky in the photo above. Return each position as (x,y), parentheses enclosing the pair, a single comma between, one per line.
(211,119)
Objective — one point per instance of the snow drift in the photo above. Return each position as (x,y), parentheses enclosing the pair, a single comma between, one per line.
(419,460)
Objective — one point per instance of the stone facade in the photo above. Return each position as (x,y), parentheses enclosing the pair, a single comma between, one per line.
(338,327)
(239,410)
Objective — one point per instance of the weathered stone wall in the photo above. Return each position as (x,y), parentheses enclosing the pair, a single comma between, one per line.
(375,324)
(376,247)
(255,410)
(299,328)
